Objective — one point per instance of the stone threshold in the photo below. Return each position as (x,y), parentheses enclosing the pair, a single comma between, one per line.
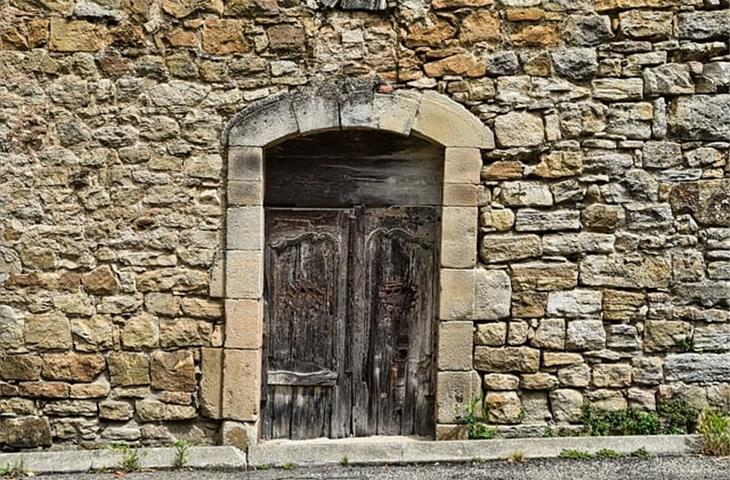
(354,451)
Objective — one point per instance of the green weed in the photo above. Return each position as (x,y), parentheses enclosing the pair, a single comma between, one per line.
(182,448)
(344,461)
(130,458)
(714,425)
(607,454)
(14,470)
(475,418)
(289,466)
(571,454)
(640,453)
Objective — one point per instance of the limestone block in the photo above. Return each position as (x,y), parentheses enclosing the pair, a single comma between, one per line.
(211,383)
(528,220)
(623,337)
(21,367)
(264,122)
(317,111)
(454,393)
(501,381)
(663,335)
(246,163)
(493,334)
(577,376)
(462,165)
(567,405)
(492,294)
(178,93)
(224,37)
(569,244)
(550,334)
(508,248)
(519,129)
(73,367)
(575,63)
(241,192)
(140,331)
(12,324)
(618,89)
(544,276)
(607,400)
(700,117)
(704,25)
(244,324)
(612,375)
(668,79)
(450,124)
(625,271)
(455,343)
(456,298)
(128,369)
(461,195)
(507,359)
(503,407)
(76,36)
(585,335)
(245,228)
(574,303)
(244,274)
(525,194)
(646,24)
(241,384)
(240,434)
(150,410)
(395,113)
(459,236)
(48,331)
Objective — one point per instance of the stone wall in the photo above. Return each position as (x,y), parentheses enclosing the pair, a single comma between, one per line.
(605,201)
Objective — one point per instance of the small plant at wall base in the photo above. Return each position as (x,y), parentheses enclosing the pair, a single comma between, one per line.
(475,419)
(14,470)
(714,426)
(129,462)
(182,448)
(672,417)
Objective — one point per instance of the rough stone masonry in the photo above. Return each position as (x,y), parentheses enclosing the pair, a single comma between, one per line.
(604,211)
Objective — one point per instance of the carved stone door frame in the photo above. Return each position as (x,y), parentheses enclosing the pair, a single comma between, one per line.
(231,383)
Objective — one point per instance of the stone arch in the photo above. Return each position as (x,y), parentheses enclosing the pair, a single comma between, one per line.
(232,375)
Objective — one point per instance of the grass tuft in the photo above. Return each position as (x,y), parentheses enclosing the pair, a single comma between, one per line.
(714,426)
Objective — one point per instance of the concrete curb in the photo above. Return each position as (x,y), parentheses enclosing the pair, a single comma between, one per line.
(392,451)
(359,451)
(76,461)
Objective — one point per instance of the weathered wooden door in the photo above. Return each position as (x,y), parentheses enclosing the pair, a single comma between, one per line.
(349,291)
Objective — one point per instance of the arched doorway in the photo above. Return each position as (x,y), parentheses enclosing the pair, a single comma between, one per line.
(233,377)
(351,261)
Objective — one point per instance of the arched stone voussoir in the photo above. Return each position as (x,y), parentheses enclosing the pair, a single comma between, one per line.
(448,123)
(262,123)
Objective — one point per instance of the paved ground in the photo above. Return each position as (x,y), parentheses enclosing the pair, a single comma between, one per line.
(667,468)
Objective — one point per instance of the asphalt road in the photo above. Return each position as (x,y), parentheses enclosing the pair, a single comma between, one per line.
(667,468)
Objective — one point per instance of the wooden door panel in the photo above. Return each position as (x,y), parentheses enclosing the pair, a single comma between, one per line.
(306,272)
(394,390)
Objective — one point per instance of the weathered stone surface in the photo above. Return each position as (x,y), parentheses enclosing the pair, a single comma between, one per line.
(506,359)
(76,36)
(141,331)
(623,337)
(11,328)
(454,337)
(128,369)
(501,381)
(700,117)
(567,405)
(454,391)
(20,367)
(460,64)
(569,244)
(585,335)
(646,24)
(575,63)
(704,199)
(480,26)
(492,294)
(503,407)
(611,375)
(528,220)
(173,371)
(615,89)
(695,367)
(73,366)
(519,129)
(704,25)
(101,281)
(607,400)
(49,331)
(155,411)
(544,276)
(632,120)
(625,272)
(223,36)
(560,164)
(523,194)
(503,248)
(577,375)
(574,303)
(669,79)
(647,370)
(550,334)
(25,432)
(92,334)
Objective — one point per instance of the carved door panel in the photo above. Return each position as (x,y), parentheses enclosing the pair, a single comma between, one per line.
(306,390)
(348,342)
(392,320)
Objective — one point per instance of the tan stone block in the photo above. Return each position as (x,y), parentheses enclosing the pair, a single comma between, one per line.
(541,35)
(173,371)
(455,344)
(244,274)
(395,113)
(244,324)
(76,36)
(76,367)
(242,192)
(141,331)
(459,236)
(460,195)
(480,26)
(454,392)
(246,163)
(211,383)
(450,124)
(20,367)
(452,432)
(128,369)
(507,359)
(217,276)
(245,228)
(224,37)
(462,165)
(240,434)
(241,384)
(48,331)
(456,299)
(462,64)
(503,170)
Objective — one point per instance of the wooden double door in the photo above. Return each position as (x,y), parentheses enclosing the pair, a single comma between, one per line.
(349,318)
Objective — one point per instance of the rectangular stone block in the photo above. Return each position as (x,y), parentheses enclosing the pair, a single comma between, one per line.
(244,324)
(241,384)
(245,228)
(528,220)
(211,382)
(460,195)
(455,344)
(454,393)
(394,113)
(459,236)
(456,300)
(462,165)
(246,163)
(244,274)
(244,192)
(492,294)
